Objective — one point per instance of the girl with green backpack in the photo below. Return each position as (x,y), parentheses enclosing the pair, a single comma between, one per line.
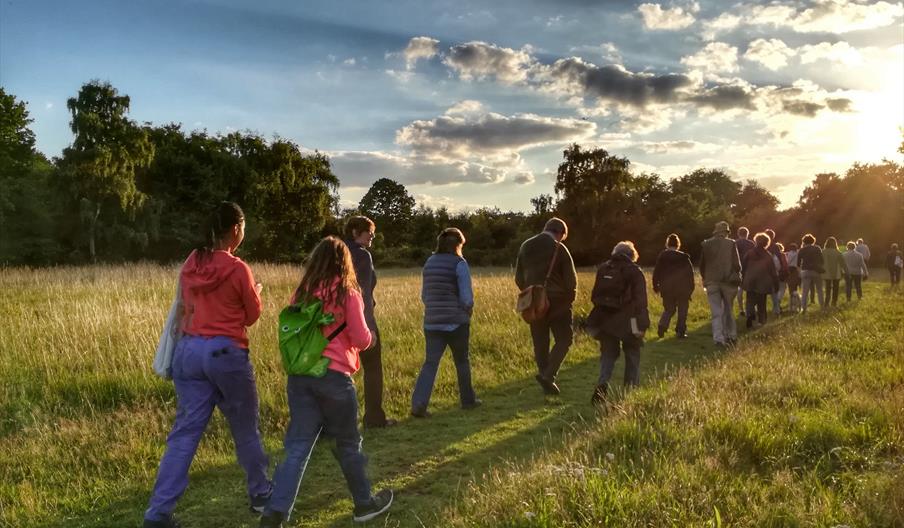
(324,401)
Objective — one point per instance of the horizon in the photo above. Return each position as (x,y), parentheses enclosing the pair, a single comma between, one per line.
(471,106)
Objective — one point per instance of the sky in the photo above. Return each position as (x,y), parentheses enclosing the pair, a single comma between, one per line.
(470,104)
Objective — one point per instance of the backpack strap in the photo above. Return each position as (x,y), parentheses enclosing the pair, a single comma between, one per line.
(552,264)
(336,332)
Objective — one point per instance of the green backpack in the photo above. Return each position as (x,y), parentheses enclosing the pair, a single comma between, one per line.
(301,341)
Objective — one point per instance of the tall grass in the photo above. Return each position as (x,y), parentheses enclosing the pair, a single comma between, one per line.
(83,420)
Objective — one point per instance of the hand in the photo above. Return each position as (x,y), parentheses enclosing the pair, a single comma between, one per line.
(258,287)
(639,335)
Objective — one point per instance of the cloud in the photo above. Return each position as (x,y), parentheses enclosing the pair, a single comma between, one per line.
(607,50)
(840,52)
(48,105)
(655,17)
(420,48)
(362,168)
(721,24)
(803,108)
(839,105)
(479,60)
(725,97)
(671,147)
(714,58)
(349,62)
(772,53)
(824,16)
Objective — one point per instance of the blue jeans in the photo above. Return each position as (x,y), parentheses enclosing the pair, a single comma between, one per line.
(209,372)
(327,405)
(437,340)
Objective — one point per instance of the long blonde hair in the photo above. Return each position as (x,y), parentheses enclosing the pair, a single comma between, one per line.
(329,260)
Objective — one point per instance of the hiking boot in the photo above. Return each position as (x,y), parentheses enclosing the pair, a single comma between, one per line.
(258,502)
(379,503)
(169,523)
(420,412)
(473,405)
(549,387)
(272,520)
(599,395)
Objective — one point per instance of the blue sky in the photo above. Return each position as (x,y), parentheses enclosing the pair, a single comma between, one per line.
(470,103)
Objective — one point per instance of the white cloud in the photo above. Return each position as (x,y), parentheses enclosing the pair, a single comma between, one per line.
(420,48)
(772,53)
(830,16)
(608,51)
(349,62)
(655,17)
(48,105)
(721,24)
(840,52)
(362,168)
(479,60)
(715,58)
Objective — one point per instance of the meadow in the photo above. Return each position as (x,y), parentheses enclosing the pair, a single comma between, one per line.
(802,424)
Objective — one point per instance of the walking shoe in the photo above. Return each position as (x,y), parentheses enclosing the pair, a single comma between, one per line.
(389,422)
(473,405)
(420,412)
(681,335)
(660,332)
(258,502)
(599,395)
(272,520)
(378,504)
(169,523)
(549,387)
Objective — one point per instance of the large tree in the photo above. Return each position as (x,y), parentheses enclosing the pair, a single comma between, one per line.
(390,205)
(106,153)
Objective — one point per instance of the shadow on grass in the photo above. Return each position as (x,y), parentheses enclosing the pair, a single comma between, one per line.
(429,462)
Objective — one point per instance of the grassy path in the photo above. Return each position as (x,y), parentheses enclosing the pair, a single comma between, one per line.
(84,420)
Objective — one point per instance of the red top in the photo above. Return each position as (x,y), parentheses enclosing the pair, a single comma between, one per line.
(218,296)
(344,348)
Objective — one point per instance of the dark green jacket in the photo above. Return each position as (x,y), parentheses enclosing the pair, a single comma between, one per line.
(534,258)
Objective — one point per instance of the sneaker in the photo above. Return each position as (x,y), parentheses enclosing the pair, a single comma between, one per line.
(378,505)
(258,502)
(169,523)
(549,387)
(272,520)
(599,395)
(473,405)
(420,412)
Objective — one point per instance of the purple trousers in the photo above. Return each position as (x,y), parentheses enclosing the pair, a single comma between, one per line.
(209,372)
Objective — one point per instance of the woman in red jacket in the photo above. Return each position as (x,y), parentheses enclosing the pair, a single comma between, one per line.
(328,405)
(211,366)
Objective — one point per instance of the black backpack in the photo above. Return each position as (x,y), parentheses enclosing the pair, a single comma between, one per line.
(611,288)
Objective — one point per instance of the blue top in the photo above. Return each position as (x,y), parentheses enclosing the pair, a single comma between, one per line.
(446,292)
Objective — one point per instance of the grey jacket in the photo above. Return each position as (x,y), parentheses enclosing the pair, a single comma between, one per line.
(719,262)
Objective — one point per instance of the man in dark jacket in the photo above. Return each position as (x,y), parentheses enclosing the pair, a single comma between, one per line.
(744,245)
(359,234)
(544,259)
(619,317)
(673,279)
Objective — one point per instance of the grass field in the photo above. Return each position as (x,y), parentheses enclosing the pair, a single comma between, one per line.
(801,425)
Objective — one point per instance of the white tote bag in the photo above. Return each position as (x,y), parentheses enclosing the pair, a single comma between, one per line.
(171,334)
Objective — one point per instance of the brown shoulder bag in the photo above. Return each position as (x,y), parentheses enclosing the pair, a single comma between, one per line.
(533,303)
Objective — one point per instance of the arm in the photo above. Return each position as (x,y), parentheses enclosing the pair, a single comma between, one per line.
(356,330)
(735,259)
(243,280)
(569,274)
(519,269)
(639,299)
(702,263)
(689,273)
(465,290)
(657,274)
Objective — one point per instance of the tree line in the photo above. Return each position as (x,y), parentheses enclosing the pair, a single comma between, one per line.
(124,191)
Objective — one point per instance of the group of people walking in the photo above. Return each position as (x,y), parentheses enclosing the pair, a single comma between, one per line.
(211,367)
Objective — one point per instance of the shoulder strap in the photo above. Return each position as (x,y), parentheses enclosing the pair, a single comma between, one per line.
(336,332)
(552,263)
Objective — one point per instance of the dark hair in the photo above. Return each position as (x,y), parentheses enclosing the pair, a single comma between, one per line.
(450,240)
(770,232)
(831,242)
(792,246)
(557,226)
(672,241)
(221,220)
(743,232)
(859,240)
(808,239)
(762,240)
(329,260)
(359,224)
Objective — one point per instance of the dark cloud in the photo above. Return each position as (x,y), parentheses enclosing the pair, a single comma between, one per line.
(617,84)
(802,108)
(839,105)
(725,97)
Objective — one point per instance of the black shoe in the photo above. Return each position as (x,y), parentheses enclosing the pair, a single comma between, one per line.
(660,332)
(258,502)
(420,412)
(681,335)
(389,422)
(549,387)
(169,523)
(378,504)
(473,405)
(272,520)
(599,395)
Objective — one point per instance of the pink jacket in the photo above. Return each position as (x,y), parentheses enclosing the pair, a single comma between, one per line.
(344,348)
